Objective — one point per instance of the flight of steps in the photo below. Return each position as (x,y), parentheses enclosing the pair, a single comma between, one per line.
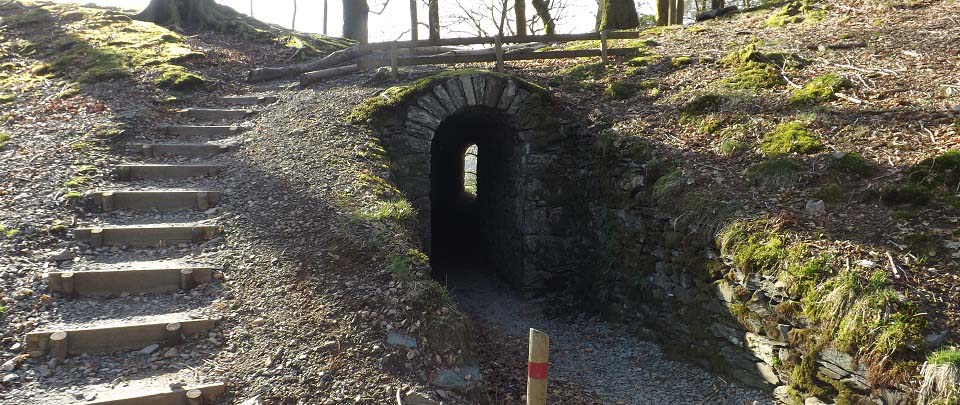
(141,197)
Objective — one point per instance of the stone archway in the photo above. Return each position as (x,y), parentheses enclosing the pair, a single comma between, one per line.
(523,211)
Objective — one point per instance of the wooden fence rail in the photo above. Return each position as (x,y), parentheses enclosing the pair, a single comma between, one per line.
(592,36)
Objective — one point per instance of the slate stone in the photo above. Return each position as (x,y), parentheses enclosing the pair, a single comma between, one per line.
(479,85)
(456,93)
(455,379)
(467,84)
(444,98)
(492,92)
(429,103)
(401,339)
(518,101)
(422,117)
(506,98)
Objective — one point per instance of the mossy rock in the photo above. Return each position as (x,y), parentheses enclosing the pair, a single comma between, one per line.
(849,162)
(913,194)
(177,78)
(819,90)
(789,138)
(781,172)
(703,103)
(680,61)
(7,98)
(752,53)
(731,146)
(620,90)
(796,12)
(4,139)
(940,170)
(754,76)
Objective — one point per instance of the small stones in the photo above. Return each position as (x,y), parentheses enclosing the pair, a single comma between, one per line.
(61,256)
(815,208)
(10,378)
(401,339)
(258,322)
(149,349)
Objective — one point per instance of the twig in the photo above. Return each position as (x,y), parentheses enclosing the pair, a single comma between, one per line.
(894,267)
(399,401)
(849,98)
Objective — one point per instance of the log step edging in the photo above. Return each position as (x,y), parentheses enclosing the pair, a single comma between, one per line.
(200,130)
(158,172)
(134,281)
(185,149)
(205,394)
(249,100)
(108,339)
(217,114)
(162,200)
(145,235)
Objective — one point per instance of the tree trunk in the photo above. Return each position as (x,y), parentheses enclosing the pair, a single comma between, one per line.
(338,58)
(663,12)
(190,15)
(520,8)
(414,25)
(680,11)
(293,24)
(355,13)
(324,17)
(434,17)
(617,15)
(543,10)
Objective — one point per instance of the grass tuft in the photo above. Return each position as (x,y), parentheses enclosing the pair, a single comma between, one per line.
(781,172)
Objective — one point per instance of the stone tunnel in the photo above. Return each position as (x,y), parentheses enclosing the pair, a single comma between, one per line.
(522,220)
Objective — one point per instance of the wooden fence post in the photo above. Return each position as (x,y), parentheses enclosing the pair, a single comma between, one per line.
(537,362)
(603,45)
(394,61)
(413,20)
(498,44)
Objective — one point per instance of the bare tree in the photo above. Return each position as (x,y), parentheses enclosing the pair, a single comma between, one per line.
(293,24)
(355,15)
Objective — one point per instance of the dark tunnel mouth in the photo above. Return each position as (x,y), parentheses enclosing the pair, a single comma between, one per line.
(475,232)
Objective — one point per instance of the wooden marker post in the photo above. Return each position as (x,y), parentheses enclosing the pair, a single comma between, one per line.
(537,368)
(498,45)
(394,61)
(603,45)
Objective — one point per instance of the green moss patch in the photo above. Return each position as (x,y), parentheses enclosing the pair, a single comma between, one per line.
(177,78)
(680,61)
(940,170)
(4,139)
(620,90)
(796,12)
(912,194)
(849,162)
(79,181)
(789,138)
(818,90)
(732,146)
(7,98)
(781,172)
(754,76)
(703,103)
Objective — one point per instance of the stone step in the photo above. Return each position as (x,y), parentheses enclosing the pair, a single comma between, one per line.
(217,114)
(134,281)
(200,130)
(159,172)
(108,339)
(187,395)
(146,235)
(161,200)
(185,149)
(248,100)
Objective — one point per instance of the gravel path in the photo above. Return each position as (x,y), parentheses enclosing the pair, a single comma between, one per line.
(595,355)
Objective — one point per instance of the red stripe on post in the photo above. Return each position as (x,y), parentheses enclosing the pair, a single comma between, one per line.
(537,371)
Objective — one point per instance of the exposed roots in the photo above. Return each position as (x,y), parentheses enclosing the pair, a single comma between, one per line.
(941,382)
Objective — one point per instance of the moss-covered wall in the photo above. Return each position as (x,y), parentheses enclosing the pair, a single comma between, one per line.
(751,303)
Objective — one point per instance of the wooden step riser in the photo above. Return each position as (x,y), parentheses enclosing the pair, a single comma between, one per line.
(114,338)
(201,131)
(156,200)
(161,172)
(248,100)
(217,114)
(184,149)
(144,236)
(206,394)
(115,282)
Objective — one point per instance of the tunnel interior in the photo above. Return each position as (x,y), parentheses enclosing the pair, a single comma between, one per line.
(475,230)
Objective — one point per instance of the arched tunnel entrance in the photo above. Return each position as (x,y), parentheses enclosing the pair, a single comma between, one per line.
(524,222)
(475,229)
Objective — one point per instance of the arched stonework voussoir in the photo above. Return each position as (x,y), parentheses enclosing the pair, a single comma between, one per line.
(530,109)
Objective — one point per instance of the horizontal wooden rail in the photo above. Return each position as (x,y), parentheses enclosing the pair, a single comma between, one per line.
(492,57)
(596,36)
